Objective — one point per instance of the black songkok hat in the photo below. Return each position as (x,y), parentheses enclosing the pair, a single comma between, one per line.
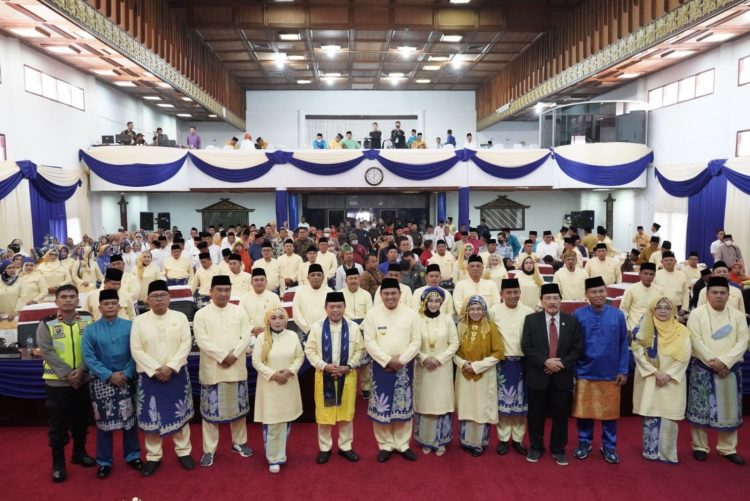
(474,258)
(220,280)
(546,232)
(176,247)
(235,257)
(335,297)
(491,241)
(115,258)
(594,282)
(600,245)
(106,294)
(635,251)
(667,254)
(351,271)
(720,264)
(312,248)
(266,243)
(204,255)
(705,271)
(432,267)
(315,268)
(441,241)
(654,239)
(389,283)
(288,241)
(550,289)
(717,282)
(666,245)
(113,274)
(158,285)
(394,267)
(509,283)
(258,272)
(532,232)
(648,266)
(693,253)
(226,252)
(529,241)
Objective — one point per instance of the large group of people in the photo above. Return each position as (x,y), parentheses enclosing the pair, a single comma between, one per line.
(430,324)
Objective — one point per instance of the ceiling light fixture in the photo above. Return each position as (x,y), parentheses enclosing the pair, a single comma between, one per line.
(431,67)
(407,49)
(152,98)
(451,38)
(63,49)
(332,75)
(124,83)
(716,37)
(29,32)
(678,54)
(211,116)
(296,57)
(396,74)
(184,115)
(165,105)
(303,82)
(460,2)
(439,58)
(423,80)
(280,58)
(330,48)
(164,85)
(290,36)
(629,75)
(105,73)
(185,98)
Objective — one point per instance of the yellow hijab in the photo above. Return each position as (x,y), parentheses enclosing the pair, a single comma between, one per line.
(267,335)
(672,334)
(477,340)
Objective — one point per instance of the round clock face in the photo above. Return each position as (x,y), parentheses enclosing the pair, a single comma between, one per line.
(374,176)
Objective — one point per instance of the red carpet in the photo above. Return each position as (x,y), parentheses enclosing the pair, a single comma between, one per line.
(25,466)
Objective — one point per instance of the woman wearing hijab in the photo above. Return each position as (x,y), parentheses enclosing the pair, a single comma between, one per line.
(145,272)
(103,256)
(480,349)
(86,272)
(66,259)
(495,270)
(661,349)
(277,357)
(54,272)
(531,283)
(9,289)
(129,256)
(433,375)
(463,252)
(32,286)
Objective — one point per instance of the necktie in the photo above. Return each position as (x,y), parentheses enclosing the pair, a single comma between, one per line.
(552,338)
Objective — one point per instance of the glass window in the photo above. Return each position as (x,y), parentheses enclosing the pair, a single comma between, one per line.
(704,83)
(743,143)
(686,89)
(33,79)
(76,95)
(49,86)
(63,92)
(655,98)
(744,76)
(670,94)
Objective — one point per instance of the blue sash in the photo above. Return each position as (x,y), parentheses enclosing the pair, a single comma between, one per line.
(332,394)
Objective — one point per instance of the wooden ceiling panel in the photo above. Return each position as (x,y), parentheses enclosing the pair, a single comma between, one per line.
(367,56)
(376,35)
(371,16)
(366,66)
(518,36)
(411,36)
(456,18)
(369,46)
(226,45)
(234,56)
(256,34)
(329,16)
(214,15)
(250,14)
(286,15)
(412,16)
(329,35)
(218,33)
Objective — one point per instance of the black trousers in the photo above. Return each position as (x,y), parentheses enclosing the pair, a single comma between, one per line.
(556,403)
(68,413)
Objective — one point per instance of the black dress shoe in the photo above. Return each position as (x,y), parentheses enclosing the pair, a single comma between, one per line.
(59,475)
(103,472)
(519,448)
(409,455)
(700,455)
(323,457)
(84,460)
(150,468)
(186,462)
(502,448)
(736,459)
(476,452)
(384,456)
(136,464)
(349,455)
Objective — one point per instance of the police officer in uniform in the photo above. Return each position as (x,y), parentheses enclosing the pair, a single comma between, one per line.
(60,339)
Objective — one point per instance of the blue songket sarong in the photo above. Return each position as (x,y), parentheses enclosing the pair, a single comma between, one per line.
(391,394)
(164,408)
(713,401)
(511,393)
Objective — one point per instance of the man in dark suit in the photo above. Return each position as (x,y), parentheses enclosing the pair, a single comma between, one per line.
(552,342)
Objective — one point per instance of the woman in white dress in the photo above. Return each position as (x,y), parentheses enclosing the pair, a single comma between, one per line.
(54,272)
(531,283)
(32,288)
(277,357)
(495,270)
(661,349)
(433,375)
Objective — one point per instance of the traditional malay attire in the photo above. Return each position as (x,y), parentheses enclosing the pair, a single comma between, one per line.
(127,309)
(178,271)
(481,346)
(144,275)
(660,346)
(86,271)
(446,262)
(512,402)
(338,344)
(130,286)
(606,268)
(55,273)
(736,300)
(163,408)
(434,401)
(256,305)
(531,283)
(272,269)
(277,405)
(242,281)
(289,265)
(638,298)
(31,287)
(675,284)
(447,307)
(220,332)
(571,283)
(106,350)
(309,304)
(392,333)
(201,280)
(464,289)
(358,303)
(715,401)
(604,357)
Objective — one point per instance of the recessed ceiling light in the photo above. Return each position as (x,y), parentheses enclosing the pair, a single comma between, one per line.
(85,34)
(152,98)
(184,115)
(451,38)
(185,98)
(164,85)
(211,116)
(407,48)
(148,74)
(105,73)
(423,80)
(303,82)
(290,36)
(332,75)
(165,105)
(29,32)
(678,54)
(431,67)
(717,37)
(439,58)
(329,80)
(296,57)
(124,83)
(629,75)
(460,1)
(331,48)
(62,49)
(280,58)
(396,74)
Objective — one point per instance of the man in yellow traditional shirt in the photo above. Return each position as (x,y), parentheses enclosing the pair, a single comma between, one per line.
(641,238)
(178,269)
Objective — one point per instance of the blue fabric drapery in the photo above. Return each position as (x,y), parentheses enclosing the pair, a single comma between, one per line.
(47,218)
(505,172)
(741,181)
(9,184)
(612,175)
(133,175)
(293,211)
(234,175)
(441,206)
(689,186)
(706,211)
(282,208)
(320,169)
(463,206)
(47,189)
(417,172)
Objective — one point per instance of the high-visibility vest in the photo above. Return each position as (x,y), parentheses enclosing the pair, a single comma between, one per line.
(67,340)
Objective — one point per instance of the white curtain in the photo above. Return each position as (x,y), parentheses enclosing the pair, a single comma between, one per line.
(78,211)
(360,129)
(15,216)
(737,219)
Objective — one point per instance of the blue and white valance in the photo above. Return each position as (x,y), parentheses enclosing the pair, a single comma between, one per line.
(604,164)
(508,164)
(134,166)
(231,168)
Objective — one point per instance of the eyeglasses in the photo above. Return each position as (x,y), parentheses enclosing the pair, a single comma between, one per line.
(159,297)
(663,308)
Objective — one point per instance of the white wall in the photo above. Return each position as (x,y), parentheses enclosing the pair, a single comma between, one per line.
(509,133)
(211,133)
(115,109)
(278,116)
(181,206)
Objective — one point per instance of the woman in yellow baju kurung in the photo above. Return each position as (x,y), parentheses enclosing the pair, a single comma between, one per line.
(32,288)
(495,270)
(9,288)
(86,272)
(461,271)
(480,349)
(277,357)
(145,272)
(531,283)
(434,401)
(54,272)
(661,350)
